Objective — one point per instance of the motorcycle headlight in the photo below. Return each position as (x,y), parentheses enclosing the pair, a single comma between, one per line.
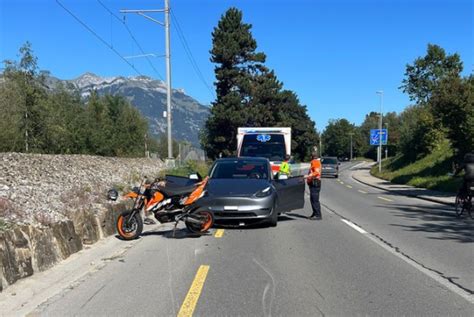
(264,192)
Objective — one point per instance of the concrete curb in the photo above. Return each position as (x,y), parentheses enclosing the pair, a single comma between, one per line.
(431,199)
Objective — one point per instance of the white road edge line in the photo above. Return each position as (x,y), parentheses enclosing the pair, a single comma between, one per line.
(354,226)
(355,166)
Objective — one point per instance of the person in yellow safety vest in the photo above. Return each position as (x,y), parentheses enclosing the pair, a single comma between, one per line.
(285,166)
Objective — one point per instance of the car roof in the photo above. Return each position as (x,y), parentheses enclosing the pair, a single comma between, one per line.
(243,158)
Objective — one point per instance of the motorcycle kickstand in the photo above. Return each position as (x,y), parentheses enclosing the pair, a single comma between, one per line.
(174,228)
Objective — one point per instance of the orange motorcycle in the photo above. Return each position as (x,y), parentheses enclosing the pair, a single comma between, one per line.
(168,205)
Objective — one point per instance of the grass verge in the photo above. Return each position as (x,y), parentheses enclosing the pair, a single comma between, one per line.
(190,167)
(429,172)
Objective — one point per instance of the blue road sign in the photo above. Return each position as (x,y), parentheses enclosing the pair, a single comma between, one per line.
(375,136)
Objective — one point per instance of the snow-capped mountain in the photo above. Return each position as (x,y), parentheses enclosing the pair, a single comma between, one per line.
(149,96)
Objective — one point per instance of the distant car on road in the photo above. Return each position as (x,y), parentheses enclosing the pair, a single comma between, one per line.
(330,166)
(244,190)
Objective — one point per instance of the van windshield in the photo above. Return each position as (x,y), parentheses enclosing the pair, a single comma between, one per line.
(270,146)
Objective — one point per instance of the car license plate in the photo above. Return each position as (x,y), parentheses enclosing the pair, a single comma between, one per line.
(231,208)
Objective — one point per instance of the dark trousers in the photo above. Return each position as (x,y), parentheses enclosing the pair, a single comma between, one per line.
(314,198)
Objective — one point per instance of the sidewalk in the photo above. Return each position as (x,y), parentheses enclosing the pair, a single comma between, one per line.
(362,174)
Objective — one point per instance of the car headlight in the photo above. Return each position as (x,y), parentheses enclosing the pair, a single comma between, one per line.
(264,192)
(203,194)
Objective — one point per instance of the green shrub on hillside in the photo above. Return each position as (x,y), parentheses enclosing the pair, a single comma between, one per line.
(428,172)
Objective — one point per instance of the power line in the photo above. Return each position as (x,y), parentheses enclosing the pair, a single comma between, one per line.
(189,53)
(133,38)
(98,37)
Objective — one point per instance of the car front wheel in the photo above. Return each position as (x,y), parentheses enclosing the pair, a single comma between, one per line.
(273,222)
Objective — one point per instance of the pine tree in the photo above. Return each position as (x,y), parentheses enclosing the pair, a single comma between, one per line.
(234,52)
(249,94)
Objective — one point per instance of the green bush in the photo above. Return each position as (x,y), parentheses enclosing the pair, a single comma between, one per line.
(429,172)
(190,167)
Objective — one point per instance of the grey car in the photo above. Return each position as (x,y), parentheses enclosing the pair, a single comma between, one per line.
(330,166)
(244,191)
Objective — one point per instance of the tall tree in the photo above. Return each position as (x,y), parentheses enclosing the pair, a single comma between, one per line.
(420,132)
(234,52)
(426,72)
(248,93)
(27,107)
(336,138)
(452,103)
(289,112)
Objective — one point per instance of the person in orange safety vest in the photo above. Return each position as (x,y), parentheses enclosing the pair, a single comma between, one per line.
(313,180)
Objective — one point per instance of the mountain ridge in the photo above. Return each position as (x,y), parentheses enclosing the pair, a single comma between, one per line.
(148,95)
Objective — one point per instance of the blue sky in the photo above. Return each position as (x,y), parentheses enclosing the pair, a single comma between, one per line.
(334,54)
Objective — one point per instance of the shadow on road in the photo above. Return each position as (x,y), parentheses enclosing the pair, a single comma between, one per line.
(440,220)
(295,215)
(179,233)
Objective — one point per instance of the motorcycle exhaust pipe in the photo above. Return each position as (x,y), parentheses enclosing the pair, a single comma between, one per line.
(193,220)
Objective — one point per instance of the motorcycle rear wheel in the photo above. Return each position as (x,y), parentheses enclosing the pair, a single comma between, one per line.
(205,217)
(129,227)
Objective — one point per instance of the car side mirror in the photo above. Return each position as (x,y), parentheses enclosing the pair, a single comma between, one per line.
(195,176)
(282,177)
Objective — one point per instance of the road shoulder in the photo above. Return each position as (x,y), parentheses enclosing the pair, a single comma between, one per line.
(362,175)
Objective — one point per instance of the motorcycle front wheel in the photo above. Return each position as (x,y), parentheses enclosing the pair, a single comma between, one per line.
(129,226)
(199,221)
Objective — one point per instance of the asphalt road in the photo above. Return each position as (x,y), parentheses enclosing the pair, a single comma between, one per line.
(405,257)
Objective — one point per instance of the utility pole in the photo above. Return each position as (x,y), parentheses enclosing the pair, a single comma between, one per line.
(166,11)
(168,78)
(146,147)
(351,134)
(380,92)
(320,146)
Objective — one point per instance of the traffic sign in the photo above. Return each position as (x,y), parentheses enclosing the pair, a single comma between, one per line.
(375,136)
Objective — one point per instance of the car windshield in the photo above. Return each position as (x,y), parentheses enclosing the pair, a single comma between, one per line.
(240,170)
(270,146)
(329,160)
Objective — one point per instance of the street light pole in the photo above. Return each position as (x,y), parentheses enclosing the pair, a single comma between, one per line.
(380,92)
(386,146)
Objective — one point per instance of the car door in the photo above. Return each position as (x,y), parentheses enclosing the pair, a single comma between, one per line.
(290,193)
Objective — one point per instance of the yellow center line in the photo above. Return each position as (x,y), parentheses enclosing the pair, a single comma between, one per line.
(348,186)
(361,191)
(219,233)
(383,198)
(189,304)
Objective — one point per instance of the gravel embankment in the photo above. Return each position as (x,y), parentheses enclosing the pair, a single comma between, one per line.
(42,189)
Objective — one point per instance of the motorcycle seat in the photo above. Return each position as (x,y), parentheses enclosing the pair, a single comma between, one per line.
(177,191)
